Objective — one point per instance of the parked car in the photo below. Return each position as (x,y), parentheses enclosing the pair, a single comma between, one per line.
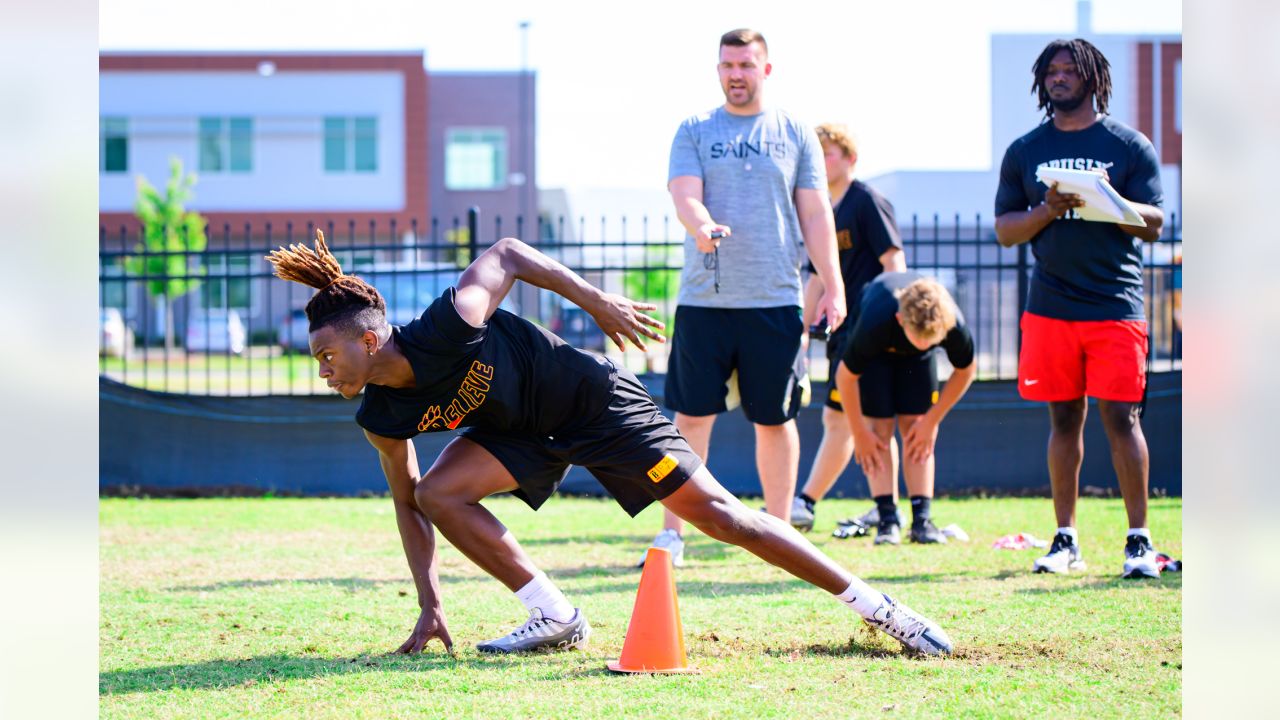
(293,335)
(216,330)
(576,327)
(114,337)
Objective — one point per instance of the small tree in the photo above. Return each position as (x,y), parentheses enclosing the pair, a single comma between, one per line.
(168,231)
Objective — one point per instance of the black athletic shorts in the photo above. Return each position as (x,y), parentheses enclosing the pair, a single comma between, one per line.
(899,385)
(630,447)
(762,344)
(835,353)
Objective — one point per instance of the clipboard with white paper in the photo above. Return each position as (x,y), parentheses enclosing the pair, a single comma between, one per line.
(1101,202)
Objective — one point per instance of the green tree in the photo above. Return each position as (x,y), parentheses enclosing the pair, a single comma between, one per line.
(169,231)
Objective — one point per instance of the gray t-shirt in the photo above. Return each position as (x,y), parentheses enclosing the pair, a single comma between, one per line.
(750,168)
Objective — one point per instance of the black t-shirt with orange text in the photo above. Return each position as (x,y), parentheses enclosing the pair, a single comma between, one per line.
(509,375)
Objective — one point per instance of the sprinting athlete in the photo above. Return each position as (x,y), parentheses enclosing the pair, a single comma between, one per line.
(528,406)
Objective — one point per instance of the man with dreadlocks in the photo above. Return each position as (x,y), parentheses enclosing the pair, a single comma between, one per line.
(1083,329)
(529,405)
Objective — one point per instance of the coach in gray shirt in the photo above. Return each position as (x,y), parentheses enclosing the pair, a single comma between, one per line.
(755,176)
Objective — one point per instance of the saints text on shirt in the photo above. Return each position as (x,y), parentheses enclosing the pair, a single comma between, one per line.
(471,394)
(744,149)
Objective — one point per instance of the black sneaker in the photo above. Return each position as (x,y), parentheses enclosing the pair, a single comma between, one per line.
(1139,558)
(927,533)
(888,532)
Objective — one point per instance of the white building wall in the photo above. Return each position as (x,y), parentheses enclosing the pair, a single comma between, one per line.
(288,111)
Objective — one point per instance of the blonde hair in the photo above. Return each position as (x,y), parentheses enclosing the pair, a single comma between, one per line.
(838,135)
(927,309)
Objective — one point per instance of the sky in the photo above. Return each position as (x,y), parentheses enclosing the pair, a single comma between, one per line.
(910,78)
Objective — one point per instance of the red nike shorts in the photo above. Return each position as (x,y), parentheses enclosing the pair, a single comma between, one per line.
(1068,359)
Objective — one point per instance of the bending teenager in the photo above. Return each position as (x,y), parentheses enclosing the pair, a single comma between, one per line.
(528,405)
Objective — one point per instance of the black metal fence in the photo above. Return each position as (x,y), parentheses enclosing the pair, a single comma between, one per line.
(236,330)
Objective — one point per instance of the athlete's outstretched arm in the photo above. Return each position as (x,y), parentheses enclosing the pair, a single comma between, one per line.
(400,465)
(489,278)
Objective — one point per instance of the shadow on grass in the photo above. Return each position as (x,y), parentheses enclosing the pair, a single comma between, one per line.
(1171,582)
(351,584)
(238,673)
(638,541)
(852,648)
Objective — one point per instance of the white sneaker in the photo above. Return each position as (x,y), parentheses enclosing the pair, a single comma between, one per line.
(1064,556)
(542,633)
(670,541)
(913,630)
(1139,558)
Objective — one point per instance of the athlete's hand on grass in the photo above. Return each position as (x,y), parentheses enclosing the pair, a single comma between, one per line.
(621,319)
(920,438)
(866,450)
(1059,202)
(430,625)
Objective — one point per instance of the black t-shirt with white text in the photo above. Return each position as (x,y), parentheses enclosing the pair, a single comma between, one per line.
(876,330)
(1084,270)
(509,375)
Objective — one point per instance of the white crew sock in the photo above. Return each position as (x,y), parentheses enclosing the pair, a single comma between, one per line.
(1071,533)
(543,594)
(1139,531)
(860,596)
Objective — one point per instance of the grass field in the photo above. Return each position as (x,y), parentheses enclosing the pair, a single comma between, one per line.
(286,608)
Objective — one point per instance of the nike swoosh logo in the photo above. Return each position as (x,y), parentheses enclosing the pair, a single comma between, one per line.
(1030,382)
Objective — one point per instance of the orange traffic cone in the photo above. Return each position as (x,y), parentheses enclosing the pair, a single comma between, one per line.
(655,639)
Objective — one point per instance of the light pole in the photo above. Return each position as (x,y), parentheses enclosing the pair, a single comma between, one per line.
(526,184)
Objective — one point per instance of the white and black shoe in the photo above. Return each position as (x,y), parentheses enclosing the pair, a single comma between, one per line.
(542,633)
(670,541)
(913,630)
(1064,556)
(1140,558)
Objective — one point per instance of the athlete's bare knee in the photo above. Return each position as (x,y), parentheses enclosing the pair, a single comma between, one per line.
(834,423)
(433,497)
(1118,418)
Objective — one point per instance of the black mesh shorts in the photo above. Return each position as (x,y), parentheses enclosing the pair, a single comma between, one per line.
(762,344)
(899,385)
(630,447)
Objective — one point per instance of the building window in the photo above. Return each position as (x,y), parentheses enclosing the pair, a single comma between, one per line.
(113,144)
(351,144)
(475,159)
(226,144)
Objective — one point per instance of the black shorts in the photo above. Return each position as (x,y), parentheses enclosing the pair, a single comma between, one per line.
(835,353)
(762,344)
(899,385)
(630,447)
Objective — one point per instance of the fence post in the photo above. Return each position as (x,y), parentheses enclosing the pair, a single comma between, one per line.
(473,233)
(1022,291)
